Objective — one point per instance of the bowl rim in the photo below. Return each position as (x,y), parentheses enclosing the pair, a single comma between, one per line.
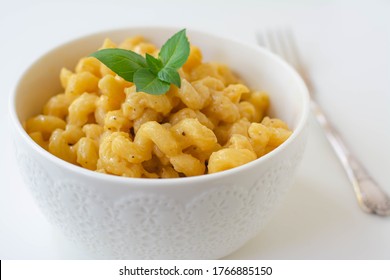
(149,182)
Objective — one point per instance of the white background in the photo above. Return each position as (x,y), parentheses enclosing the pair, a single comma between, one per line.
(346,46)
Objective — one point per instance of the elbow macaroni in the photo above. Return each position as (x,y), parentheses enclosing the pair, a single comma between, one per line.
(100,122)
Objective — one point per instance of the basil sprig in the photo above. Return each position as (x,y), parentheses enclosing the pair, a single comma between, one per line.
(149,74)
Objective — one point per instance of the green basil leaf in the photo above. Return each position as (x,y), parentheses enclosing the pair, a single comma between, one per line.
(174,53)
(154,64)
(146,81)
(150,75)
(170,75)
(123,62)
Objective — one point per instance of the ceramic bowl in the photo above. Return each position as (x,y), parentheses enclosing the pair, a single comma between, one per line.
(203,217)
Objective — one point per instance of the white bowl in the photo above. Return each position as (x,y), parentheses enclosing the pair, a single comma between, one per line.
(203,217)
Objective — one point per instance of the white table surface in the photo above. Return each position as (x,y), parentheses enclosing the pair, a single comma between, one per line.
(346,46)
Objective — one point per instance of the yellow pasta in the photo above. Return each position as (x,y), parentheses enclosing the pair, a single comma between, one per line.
(192,98)
(136,102)
(89,64)
(235,91)
(93,131)
(188,165)
(213,122)
(59,146)
(116,121)
(65,75)
(45,124)
(147,116)
(130,43)
(113,87)
(228,158)
(194,59)
(38,138)
(80,83)
(222,108)
(168,172)
(81,108)
(111,162)
(57,106)
(188,113)
(87,153)
(247,110)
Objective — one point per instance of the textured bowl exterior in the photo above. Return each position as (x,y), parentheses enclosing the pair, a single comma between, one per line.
(204,217)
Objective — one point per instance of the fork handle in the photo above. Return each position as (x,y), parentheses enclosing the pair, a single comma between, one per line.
(371,198)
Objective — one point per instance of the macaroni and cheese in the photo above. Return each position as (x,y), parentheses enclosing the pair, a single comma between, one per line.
(213,122)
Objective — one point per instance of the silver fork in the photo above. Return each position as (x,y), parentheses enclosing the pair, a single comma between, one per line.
(371,198)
